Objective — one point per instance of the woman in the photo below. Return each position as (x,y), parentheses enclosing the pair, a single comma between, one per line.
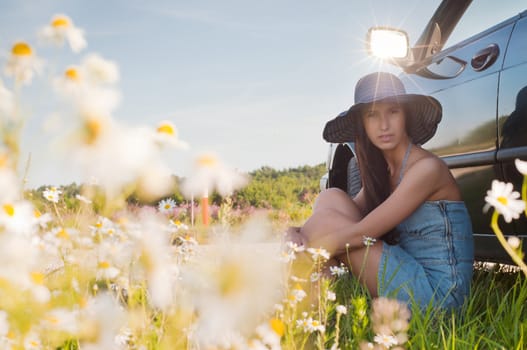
(407,233)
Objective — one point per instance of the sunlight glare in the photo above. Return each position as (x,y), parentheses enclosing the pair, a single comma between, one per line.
(387,43)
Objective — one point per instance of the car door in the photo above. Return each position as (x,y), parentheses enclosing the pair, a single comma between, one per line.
(512,111)
(464,78)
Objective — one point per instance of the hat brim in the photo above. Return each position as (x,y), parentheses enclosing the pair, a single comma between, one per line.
(425,113)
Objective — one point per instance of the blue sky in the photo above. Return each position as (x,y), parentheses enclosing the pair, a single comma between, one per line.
(252,81)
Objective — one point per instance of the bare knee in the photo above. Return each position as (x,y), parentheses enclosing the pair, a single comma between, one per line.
(338,200)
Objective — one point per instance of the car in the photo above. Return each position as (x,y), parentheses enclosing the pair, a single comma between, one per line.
(481,83)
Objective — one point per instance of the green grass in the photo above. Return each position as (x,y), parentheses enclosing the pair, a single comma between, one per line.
(494,317)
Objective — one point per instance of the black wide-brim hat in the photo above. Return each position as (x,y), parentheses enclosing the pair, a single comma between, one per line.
(424,112)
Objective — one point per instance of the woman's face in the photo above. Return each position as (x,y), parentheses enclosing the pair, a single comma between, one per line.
(385,124)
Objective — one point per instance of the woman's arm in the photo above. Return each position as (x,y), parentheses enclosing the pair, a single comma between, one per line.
(420,182)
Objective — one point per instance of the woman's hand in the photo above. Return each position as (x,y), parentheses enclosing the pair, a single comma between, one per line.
(294,235)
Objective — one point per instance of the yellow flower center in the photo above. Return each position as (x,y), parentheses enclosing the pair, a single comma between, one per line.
(4,159)
(230,280)
(167,206)
(83,302)
(9,209)
(60,22)
(104,264)
(37,213)
(21,49)
(52,319)
(207,161)
(166,128)
(37,278)
(72,74)
(63,234)
(122,221)
(502,200)
(277,326)
(92,130)
(298,287)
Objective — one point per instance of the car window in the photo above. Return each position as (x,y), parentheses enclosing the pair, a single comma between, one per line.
(484,14)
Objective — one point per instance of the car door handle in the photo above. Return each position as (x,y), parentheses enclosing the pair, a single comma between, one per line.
(485,58)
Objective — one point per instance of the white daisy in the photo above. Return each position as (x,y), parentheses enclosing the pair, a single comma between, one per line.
(341,309)
(295,247)
(99,70)
(176,226)
(32,341)
(166,206)
(316,325)
(18,218)
(315,276)
(23,63)
(309,325)
(505,200)
(42,219)
(230,278)
(89,86)
(52,194)
(338,270)
(61,29)
(303,323)
(71,83)
(521,165)
(103,226)
(18,260)
(296,295)
(61,319)
(106,271)
(271,332)
(40,292)
(83,199)
(318,253)
(210,174)
(167,134)
(287,256)
(331,296)
(119,156)
(385,340)
(368,241)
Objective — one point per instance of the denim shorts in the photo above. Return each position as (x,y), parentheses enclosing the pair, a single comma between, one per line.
(433,260)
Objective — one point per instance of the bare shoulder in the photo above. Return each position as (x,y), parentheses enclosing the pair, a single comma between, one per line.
(433,171)
(428,164)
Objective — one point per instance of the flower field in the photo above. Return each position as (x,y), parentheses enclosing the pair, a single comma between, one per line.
(88,269)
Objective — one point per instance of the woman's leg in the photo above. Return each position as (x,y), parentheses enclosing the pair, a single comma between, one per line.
(364,265)
(334,209)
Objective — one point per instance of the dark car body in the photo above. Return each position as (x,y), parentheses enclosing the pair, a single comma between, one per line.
(481,83)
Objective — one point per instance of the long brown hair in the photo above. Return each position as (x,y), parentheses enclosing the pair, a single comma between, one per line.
(374,172)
